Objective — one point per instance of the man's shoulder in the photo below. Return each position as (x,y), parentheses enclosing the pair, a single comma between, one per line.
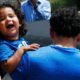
(41,51)
(46,48)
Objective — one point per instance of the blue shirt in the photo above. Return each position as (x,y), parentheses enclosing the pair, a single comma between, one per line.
(54,63)
(42,12)
(50,63)
(7,49)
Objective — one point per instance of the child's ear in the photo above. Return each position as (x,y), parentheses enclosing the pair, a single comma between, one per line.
(20,25)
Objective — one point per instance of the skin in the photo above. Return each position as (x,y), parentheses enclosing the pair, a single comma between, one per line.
(9,27)
(8,17)
(64,41)
(34,2)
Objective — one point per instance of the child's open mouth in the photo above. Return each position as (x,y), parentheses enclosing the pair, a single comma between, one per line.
(9,26)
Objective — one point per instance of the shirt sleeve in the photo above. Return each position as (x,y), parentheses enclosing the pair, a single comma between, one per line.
(45,9)
(5,52)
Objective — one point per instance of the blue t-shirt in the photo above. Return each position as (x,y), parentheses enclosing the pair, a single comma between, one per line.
(7,49)
(51,63)
(54,63)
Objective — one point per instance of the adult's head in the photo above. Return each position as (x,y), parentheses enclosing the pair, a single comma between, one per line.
(65,22)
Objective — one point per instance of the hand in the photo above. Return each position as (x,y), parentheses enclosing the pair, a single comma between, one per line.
(33,46)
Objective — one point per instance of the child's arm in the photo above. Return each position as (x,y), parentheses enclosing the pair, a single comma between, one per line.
(13,61)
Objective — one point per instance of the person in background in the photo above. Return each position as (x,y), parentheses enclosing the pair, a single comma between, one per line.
(12,43)
(35,10)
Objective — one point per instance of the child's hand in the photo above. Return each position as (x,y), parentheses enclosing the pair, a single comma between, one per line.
(33,46)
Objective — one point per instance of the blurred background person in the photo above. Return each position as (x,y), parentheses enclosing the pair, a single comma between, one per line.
(35,10)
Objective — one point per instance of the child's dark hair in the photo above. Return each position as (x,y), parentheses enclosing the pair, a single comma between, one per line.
(65,22)
(22,30)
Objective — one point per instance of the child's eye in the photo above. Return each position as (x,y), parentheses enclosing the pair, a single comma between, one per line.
(2,18)
(11,16)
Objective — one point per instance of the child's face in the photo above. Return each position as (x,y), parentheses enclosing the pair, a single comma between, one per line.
(9,22)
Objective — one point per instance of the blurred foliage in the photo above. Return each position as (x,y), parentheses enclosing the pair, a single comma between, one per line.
(64,3)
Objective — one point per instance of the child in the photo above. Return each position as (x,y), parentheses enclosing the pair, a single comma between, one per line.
(12,45)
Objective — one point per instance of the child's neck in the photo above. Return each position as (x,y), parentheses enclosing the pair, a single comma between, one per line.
(12,38)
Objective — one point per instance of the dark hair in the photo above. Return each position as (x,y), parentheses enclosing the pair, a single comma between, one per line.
(65,22)
(22,30)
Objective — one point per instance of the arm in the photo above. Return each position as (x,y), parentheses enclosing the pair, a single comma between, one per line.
(13,61)
(45,9)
